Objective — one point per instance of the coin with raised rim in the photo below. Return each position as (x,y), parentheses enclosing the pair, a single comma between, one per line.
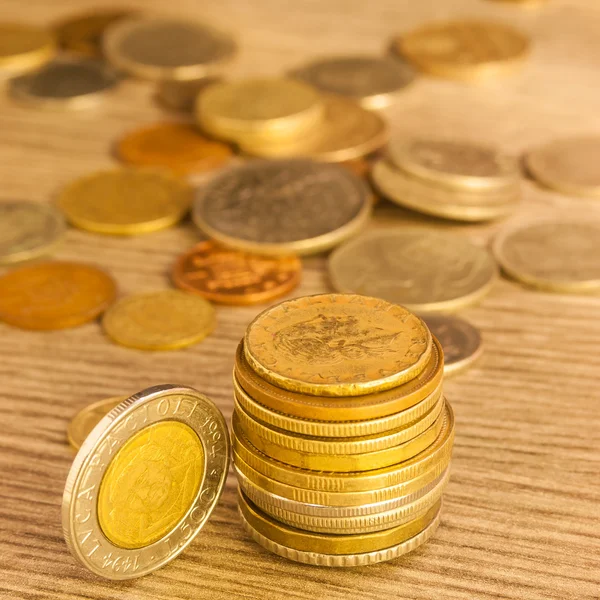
(24,47)
(87,418)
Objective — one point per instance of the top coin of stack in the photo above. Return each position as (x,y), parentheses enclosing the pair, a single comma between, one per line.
(342,437)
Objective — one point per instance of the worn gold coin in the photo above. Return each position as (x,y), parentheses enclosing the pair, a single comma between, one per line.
(145,481)
(28,230)
(125,201)
(464,50)
(460,340)
(568,165)
(285,207)
(167,48)
(558,256)
(175,146)
(337,345)
(164,320)
(24,47)
(54,295)
(424,270)
(347,131)
(86,419)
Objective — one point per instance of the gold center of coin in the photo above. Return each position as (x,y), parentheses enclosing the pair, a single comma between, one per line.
(150,484)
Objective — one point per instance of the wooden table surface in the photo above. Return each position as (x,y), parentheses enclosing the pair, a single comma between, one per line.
(522,511)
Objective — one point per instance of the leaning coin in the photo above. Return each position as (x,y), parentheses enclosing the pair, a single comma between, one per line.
(86,419)
(64,84)
(424,270)
(283,207)
(234,277)
(28,230)
(54,295)
(24,47)
(556,256)
(145,481)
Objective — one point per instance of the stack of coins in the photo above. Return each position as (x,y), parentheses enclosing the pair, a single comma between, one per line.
(342,437)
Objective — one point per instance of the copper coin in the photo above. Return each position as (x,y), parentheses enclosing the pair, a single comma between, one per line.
(176,146)
(235,277)
(54,295)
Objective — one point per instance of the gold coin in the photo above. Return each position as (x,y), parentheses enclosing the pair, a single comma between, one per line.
(269,207)
(347,131)
(272,109)
(556,256)
(28,230)
(372,81)
(464,50)
(337,345)
(460,340)
(361,481)
(54,295)
(64,83)
(330,543)
(182,95)
(426,271)
(24,47)
(568,165)
(195,50)
(372,410)
(125,201)
(164,320)
(424,197)
(86,419)
(145,481)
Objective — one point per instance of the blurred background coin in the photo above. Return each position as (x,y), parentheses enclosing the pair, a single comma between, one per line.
(24,47)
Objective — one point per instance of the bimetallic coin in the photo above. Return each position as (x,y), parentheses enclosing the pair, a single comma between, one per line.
(164,320)
(159,49)
(64,83)
(85,420)
(175,146)
(370,80)
(557,256)
(233,277)
(24,47)
(28,230)
(426,271)
(283,207)
(460,340)
(54,295)
(464,50)
(145,481)
(568,165)
(337,345)
(125,201)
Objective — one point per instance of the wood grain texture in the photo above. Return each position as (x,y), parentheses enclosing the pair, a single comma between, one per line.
(522,512)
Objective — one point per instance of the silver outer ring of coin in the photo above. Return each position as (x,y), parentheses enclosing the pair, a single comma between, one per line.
(343,560)
(81,528)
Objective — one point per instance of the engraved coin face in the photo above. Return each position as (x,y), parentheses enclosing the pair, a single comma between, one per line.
(27,230)
(426,271)
(282,207)
(233,277)
(337,345)
(24,47)
(86,419)
(145,481)
(559,256)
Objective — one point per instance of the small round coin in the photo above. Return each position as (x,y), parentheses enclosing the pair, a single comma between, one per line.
(464,50)
(64,83)
(145,481)
(233,277)
(283,207)
(126,201)
(28,230)
(460,340)
(337,345)
(568,165)
(159,49)
(370,80)
(175,146)
(86,419)
(24,47)
(558,256)
(54,295)
(424,270)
